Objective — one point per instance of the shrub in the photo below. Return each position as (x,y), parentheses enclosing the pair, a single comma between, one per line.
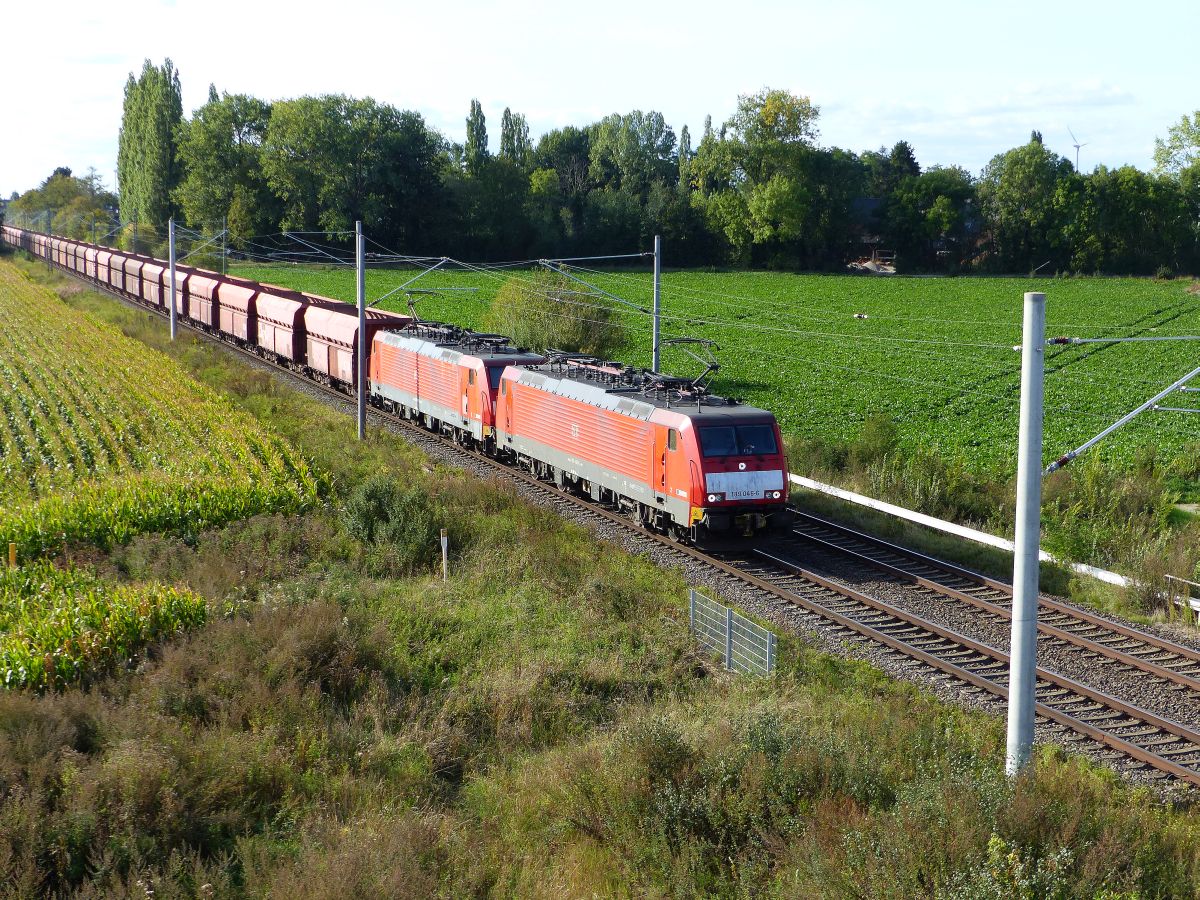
(546,310)
(401,525)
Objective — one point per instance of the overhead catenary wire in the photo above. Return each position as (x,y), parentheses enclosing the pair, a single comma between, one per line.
(740,300)
(313,251)
(488,271)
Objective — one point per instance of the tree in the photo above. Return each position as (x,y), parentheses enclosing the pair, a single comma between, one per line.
(567,151)
(475,150)
(147,169)
(515,145)
(548,311)
(333,160)
(220,153)
(69,205)
(765,128)
(1181,149)
(685,154)
(632,151)
(927,219)
(1127,222)
(775,117)
(1023,219)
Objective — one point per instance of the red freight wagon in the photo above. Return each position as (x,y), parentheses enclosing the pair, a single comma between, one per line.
(202,296)
(281,322)
(446,374)
(133,276)
(236,304)
(116,271)
(182,276)
(331,330)
(152,283)
(680,459)
(103,261)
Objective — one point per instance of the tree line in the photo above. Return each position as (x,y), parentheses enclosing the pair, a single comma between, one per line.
(757,190)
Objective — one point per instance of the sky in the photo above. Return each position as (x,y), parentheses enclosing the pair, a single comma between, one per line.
(960,81)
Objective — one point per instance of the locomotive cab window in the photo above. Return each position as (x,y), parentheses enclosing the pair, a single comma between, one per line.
(737,440)
(672,438)
(494,373)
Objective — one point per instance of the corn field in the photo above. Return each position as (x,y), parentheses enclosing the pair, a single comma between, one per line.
(60,625)
(102,438)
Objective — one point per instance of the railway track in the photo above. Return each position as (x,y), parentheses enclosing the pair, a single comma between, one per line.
(1080,712)
(1141,651)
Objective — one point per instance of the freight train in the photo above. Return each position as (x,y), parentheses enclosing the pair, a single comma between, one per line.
(672,456)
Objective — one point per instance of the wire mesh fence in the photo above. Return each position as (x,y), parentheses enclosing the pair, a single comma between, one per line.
(742,645)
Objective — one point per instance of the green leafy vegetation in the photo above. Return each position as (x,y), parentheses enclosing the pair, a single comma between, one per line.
(539,725)
(547,311)
(102,439)
(932,355)
(60,625)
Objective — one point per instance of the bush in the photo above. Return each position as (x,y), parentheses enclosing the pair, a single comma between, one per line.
(546,310)
(878,438)
(401,525)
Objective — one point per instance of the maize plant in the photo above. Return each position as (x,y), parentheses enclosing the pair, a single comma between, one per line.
(102,438)
(58,626)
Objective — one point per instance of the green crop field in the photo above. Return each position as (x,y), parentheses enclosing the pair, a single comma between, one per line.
(935,355)
(58,625)
(102,438)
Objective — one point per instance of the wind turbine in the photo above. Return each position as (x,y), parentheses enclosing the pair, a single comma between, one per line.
(1076,145)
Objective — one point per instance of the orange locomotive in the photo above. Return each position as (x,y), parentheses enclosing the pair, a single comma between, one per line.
(445,376)
(675,458)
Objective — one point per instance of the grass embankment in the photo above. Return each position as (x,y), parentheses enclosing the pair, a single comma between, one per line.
(907,390)
(347,725)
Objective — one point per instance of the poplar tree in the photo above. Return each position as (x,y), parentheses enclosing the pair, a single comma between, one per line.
(475,152)
(685,155)
(515,145)
(147,169)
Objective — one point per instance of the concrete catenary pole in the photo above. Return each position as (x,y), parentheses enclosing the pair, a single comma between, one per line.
(224,240)
(171,245)
(1022,680)
(654,341)
(361,291)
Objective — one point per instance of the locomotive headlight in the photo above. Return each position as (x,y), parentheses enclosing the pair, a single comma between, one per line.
(713,498)
(775,495)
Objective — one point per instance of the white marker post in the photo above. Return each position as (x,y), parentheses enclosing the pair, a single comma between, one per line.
(171,245)
(360,288)
(1022,679)
(655,336)
(445,555)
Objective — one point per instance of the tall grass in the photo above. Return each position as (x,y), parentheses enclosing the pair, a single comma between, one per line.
(540,725)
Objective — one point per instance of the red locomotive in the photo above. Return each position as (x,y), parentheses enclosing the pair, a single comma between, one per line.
(672,456)
(446,376)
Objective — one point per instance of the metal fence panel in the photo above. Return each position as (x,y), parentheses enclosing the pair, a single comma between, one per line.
(742,645)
